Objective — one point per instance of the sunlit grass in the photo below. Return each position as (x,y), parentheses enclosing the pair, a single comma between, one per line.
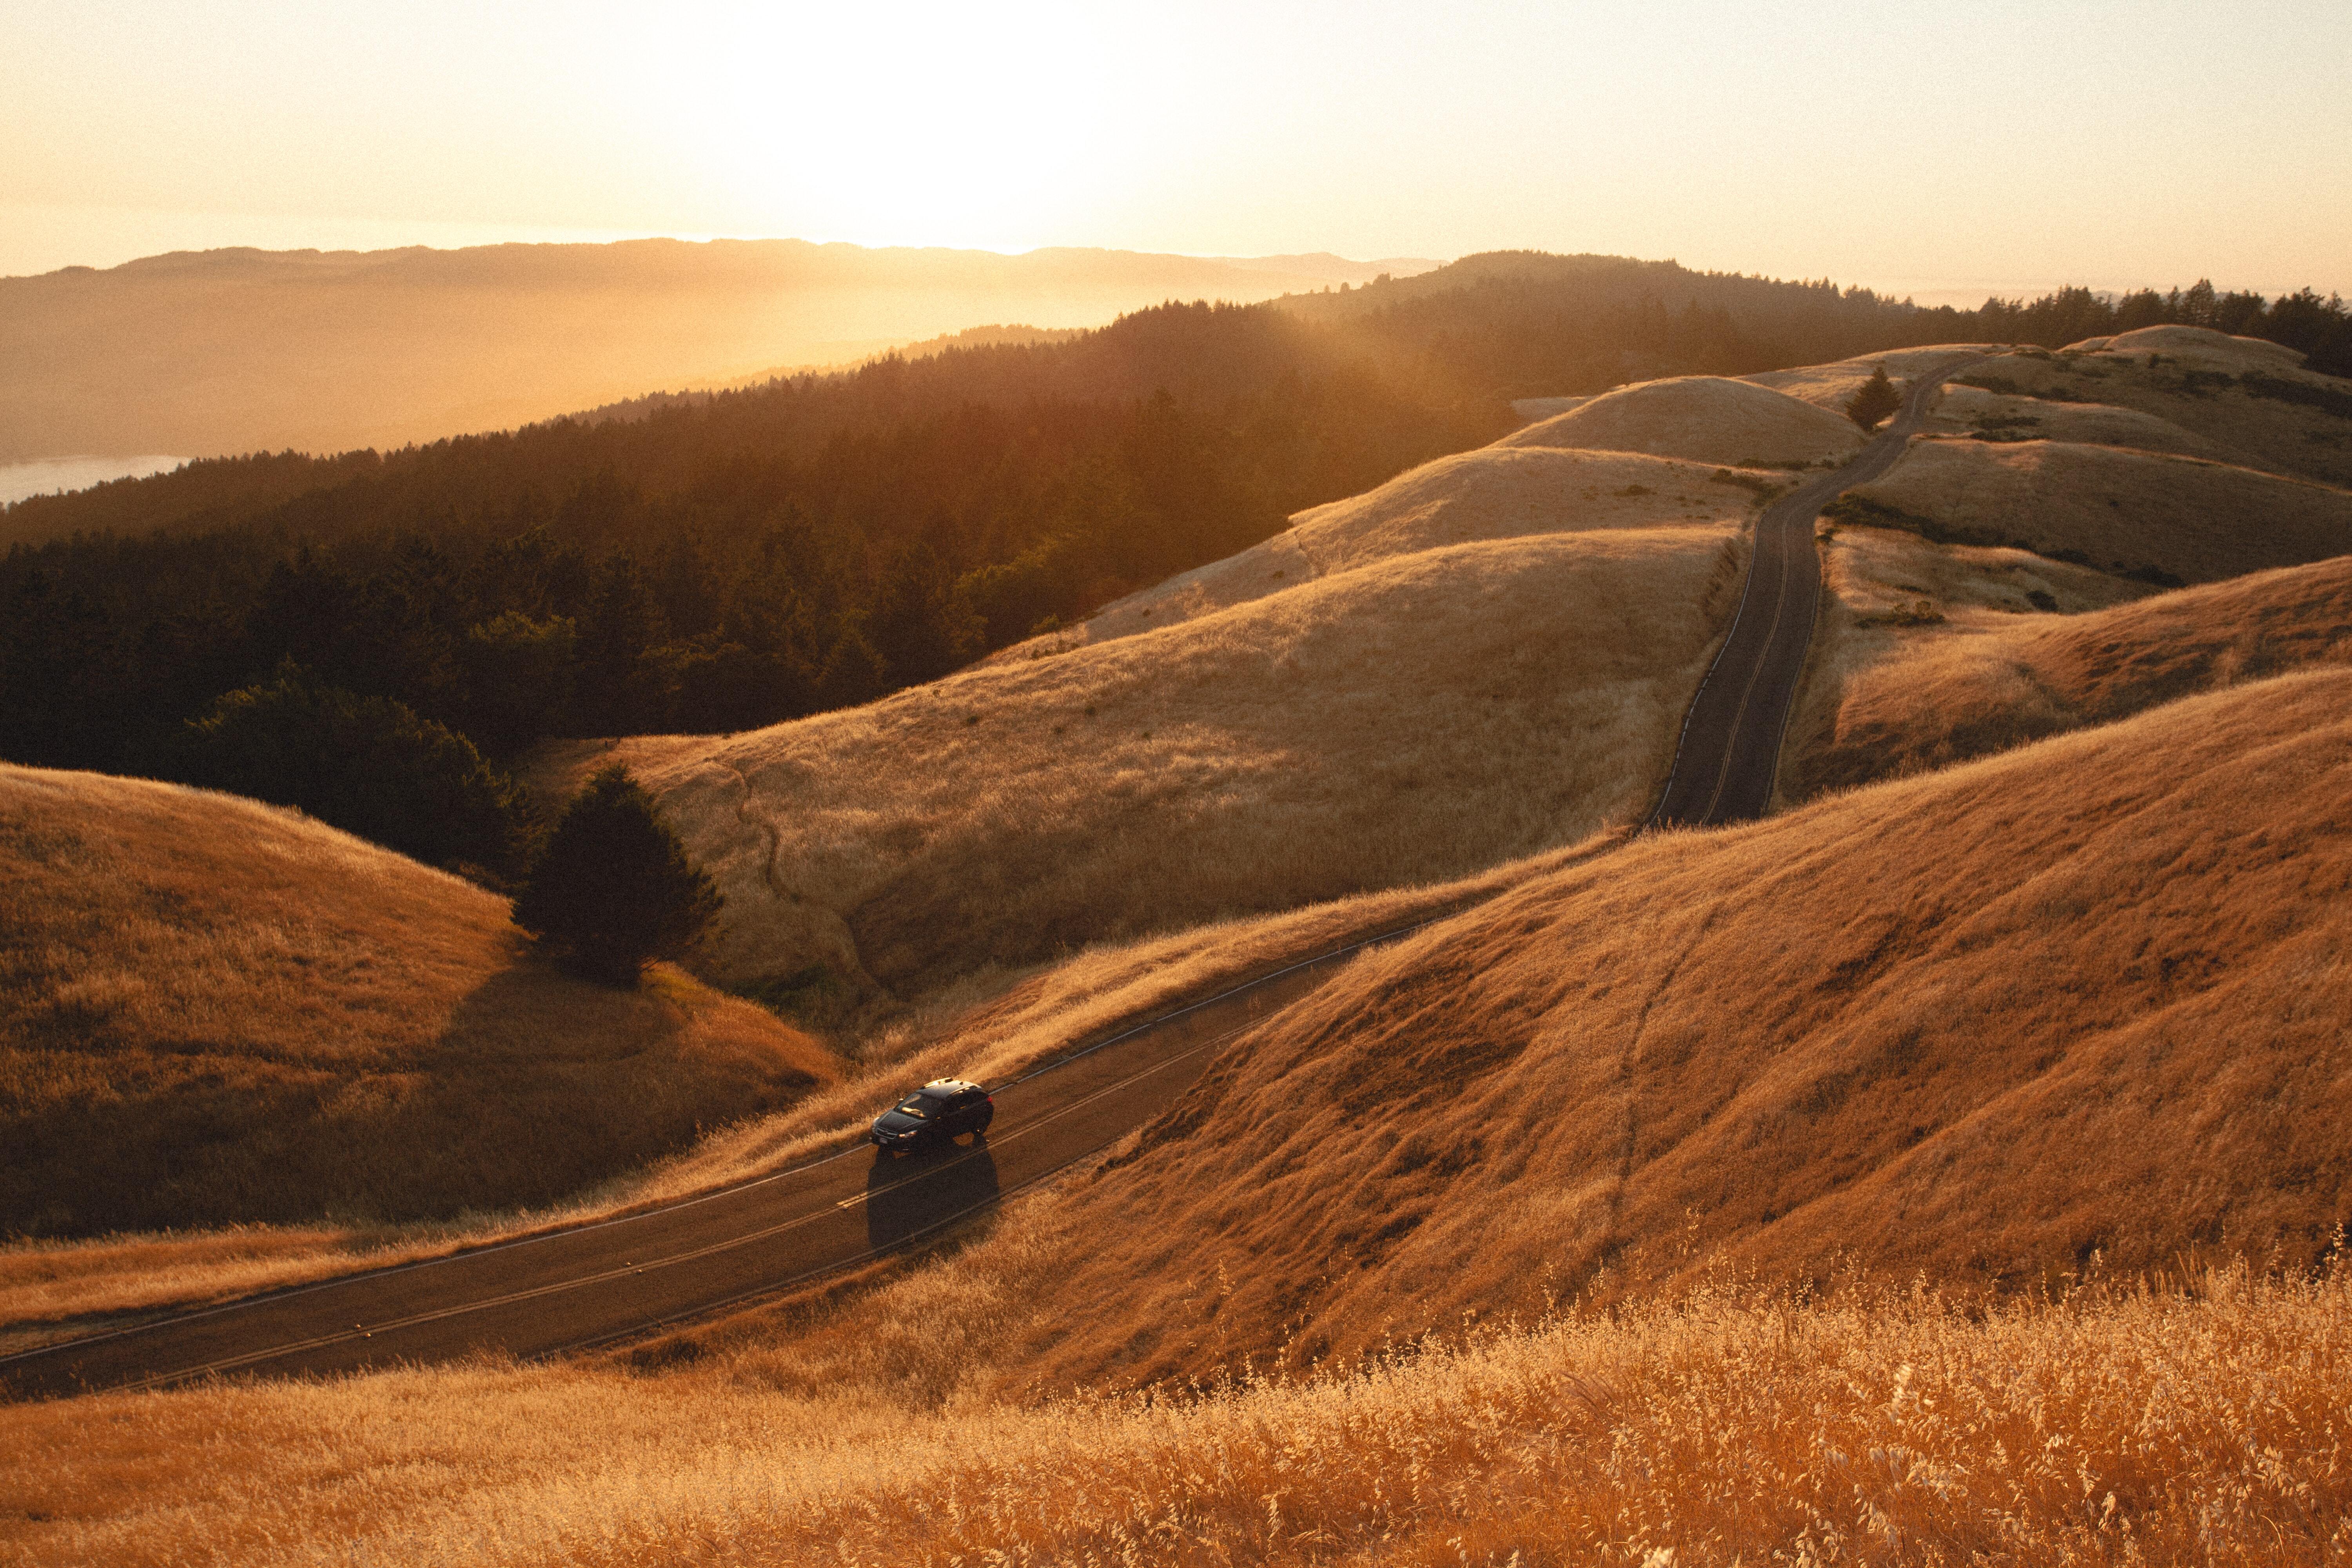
(2112,1426)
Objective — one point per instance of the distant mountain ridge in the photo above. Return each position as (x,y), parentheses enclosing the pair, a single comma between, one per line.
(237,350)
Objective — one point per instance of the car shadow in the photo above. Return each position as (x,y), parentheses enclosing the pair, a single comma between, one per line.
(907,1195)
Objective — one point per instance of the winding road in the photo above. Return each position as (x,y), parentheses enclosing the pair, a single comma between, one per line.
(611,1279)
(594,1284)
(1729,753)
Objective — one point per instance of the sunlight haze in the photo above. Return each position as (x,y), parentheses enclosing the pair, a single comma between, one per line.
(1942,153)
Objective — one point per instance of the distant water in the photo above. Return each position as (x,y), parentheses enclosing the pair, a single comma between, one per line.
(45,475)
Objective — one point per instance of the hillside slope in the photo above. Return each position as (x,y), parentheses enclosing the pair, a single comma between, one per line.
(2171,518)
(1497,491)
(1927,697)
(215,1011)
(1413,720)
(2079,999)
(1703,418)
(1830,387)
(1998,416)
(2254,398)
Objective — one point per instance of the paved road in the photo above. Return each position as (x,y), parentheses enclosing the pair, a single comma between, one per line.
(1730,748)
(570,1289)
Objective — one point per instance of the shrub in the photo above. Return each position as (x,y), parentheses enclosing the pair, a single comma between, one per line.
(1757,485)
(614,889)
(368,765)
(2326,399)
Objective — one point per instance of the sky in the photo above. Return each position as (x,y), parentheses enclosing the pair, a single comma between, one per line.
(1943,152)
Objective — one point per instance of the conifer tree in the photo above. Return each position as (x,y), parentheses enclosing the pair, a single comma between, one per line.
(1874,401)
(367,764)
(614,889)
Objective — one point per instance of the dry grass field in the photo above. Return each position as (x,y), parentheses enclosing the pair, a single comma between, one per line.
(2238,392)
(1920,1084)
(1831,386)
(2112,1426)
(2090,998)
(1703,418)
(1410,721)
(1999,416)
(2124,510)
(1889,698)
(1499,491)
(212,1011)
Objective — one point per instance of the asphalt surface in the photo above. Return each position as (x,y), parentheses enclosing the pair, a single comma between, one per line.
(613,1279)
(1729,753)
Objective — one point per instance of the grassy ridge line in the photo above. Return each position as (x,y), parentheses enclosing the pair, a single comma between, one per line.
(2136,514)
(1901,699)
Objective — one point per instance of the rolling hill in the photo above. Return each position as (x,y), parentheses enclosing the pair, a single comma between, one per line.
(213,1012)
(1496,492)
(1380,727)
(1708,419)
(2255,399)
(1918,698)
(236,350)
(2124,510)
(1936,642)
(2083,998)
(1531,615)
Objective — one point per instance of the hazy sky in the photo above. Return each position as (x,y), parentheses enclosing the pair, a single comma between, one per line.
(1955,148)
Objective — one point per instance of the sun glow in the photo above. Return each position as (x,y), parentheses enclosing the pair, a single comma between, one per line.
(927,124)
(1236,127)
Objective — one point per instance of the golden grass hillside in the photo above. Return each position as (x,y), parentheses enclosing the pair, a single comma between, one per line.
(2115,1426)
(2089,999)
(214,1011)
(1831,386)
(1410,721)
(1703,418)
(1903,684)
(2248,397)
(2199,346)
(2127,511)
(1496,492)
(1997,416)
(992,1028)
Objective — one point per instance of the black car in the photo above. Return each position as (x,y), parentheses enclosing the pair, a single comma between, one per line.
(940,1109)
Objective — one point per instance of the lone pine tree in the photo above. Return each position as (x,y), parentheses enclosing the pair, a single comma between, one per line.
(614,889)
(1875,400)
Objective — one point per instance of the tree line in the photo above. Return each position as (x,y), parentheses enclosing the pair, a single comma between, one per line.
(380,653)
(2320,329)
(376,636)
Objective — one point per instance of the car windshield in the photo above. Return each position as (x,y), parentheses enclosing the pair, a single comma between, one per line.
(915,1105)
